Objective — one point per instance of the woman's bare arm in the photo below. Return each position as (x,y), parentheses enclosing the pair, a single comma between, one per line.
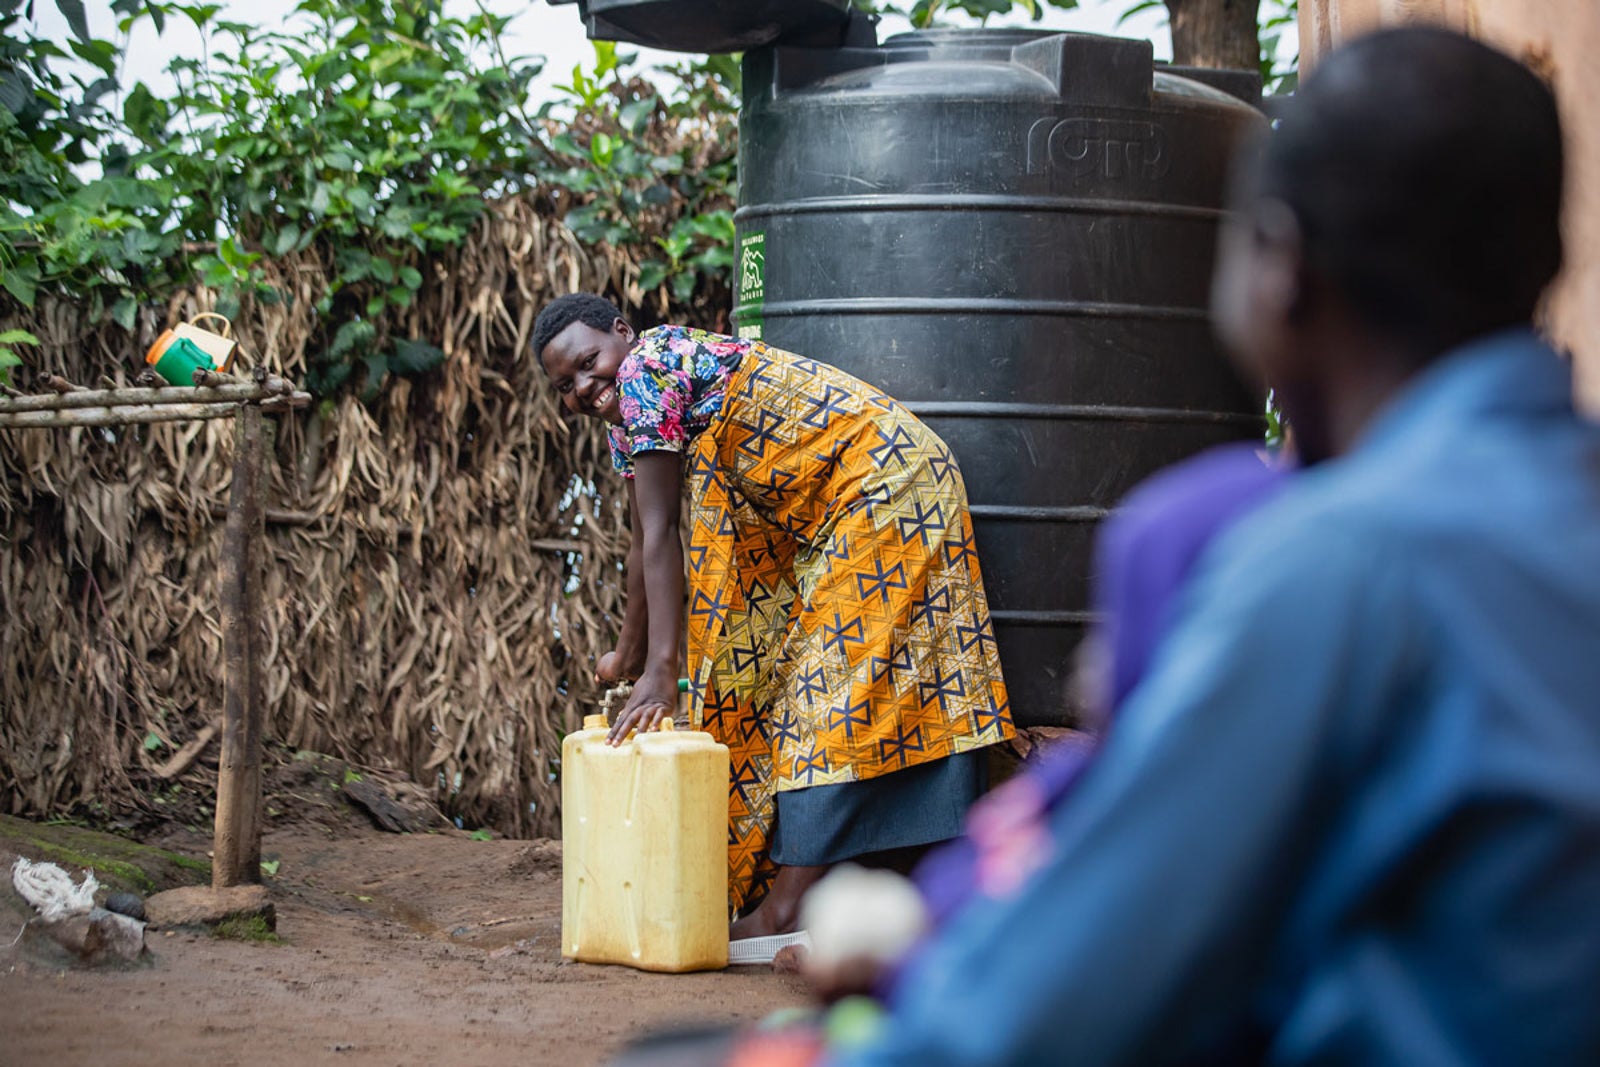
(628,660)
(657,485)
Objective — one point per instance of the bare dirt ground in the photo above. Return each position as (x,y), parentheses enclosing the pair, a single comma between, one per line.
(397,949)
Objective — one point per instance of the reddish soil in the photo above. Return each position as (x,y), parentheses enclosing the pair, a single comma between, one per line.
(397,949)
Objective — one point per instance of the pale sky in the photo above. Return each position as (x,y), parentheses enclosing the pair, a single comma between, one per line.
(536,29)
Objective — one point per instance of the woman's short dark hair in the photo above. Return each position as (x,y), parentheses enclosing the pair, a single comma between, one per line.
(593,311)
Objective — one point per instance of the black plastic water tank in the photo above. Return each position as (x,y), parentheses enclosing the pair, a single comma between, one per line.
(1012,232)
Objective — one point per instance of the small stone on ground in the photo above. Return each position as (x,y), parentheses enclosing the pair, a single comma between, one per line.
(129,904)
(206,906)
(97,936)
(790,959)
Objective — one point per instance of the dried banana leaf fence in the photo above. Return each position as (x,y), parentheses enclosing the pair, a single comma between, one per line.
(442,558)
(237,844)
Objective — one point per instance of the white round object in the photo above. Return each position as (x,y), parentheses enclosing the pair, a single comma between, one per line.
(854,912)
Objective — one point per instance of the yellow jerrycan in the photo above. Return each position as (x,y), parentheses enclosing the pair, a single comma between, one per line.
(644,853)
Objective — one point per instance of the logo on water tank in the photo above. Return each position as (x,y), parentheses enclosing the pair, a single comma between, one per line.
(1104,148)
(751,288)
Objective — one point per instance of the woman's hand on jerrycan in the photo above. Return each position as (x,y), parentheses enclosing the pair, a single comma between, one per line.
(655,694)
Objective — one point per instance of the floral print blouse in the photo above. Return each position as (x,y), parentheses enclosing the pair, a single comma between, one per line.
(670,388)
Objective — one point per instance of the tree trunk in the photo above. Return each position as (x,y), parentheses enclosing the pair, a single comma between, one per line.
(1215,33)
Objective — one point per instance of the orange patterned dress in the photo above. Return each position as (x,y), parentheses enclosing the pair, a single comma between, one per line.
(837,623)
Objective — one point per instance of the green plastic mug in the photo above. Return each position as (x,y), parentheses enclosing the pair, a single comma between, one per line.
(177,358)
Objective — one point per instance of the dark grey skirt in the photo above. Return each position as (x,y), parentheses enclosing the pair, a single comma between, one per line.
(917,806)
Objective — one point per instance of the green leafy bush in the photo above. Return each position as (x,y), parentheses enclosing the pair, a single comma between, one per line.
(370,141)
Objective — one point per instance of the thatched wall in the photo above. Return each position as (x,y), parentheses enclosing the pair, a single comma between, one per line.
(411,619)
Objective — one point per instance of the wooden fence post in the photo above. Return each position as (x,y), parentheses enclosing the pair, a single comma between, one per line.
(237,847)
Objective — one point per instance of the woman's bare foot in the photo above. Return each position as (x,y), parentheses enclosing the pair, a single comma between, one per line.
(779,912)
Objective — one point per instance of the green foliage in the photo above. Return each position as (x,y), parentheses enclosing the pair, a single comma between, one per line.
(925,13)
(1277,422)
(648,163)
(8,354)
(369,140)
(1274,17)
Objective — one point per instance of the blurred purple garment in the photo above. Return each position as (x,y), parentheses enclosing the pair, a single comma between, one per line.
(1144,552)
(1150,544)
(948,876)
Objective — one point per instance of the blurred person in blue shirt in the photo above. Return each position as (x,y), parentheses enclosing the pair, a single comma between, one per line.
(1352,814)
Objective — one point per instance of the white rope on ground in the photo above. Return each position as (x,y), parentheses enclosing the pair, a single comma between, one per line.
(51,891)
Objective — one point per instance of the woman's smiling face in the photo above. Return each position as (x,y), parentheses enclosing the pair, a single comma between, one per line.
(582,363)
